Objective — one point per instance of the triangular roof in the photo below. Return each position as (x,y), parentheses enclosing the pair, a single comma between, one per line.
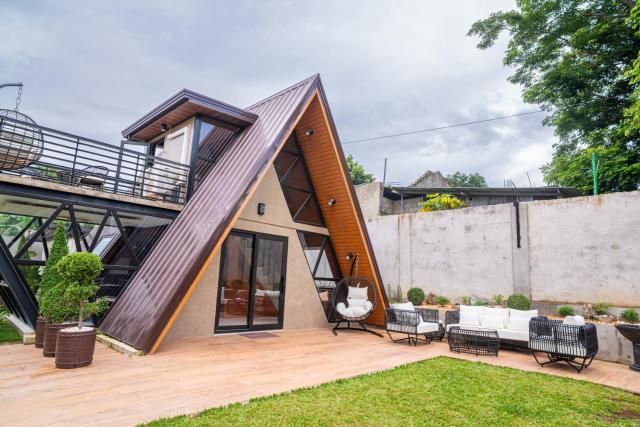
(152,300)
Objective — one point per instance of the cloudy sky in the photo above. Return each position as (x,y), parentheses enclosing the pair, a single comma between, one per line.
(92,68)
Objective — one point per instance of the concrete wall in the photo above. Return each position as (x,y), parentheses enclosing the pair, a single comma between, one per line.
(578,250)
(302,307)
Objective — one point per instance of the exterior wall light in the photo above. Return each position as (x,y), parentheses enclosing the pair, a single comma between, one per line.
(164,127)
(349,256)
(261,208)
(309,132)
(331,202)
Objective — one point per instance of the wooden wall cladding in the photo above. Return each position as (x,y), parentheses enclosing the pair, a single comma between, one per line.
(330,181)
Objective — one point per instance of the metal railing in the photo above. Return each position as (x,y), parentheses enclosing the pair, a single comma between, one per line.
(34,151)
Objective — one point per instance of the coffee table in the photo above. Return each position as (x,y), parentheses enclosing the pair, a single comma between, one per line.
(482,342)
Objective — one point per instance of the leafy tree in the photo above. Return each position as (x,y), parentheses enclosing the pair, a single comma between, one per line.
(459,179)
(439,202)
(357,172)
(50,276)
(633,112)
(573,58)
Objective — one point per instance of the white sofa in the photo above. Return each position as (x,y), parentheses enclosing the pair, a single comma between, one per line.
(511,324)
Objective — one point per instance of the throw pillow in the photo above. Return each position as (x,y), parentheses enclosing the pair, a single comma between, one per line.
(359,293)
(469,319)
(519,323)
(403,306)
(493,321)
(357,302)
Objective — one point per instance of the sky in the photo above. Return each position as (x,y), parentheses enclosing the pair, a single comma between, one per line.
(94,67)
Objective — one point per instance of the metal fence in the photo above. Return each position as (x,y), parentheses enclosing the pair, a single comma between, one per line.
(34,151)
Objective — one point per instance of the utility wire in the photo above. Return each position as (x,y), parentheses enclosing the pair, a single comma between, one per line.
(442,127)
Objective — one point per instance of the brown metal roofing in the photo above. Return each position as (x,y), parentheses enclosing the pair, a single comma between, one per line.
(183,105)
(149,301)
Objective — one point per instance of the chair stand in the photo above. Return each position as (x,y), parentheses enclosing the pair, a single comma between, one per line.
(362,327)
(412,338)
(569,360)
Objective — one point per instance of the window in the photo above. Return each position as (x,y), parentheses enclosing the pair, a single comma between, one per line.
(323,265)
(296,185)
(215,138)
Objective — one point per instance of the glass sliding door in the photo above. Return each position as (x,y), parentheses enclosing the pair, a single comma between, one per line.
(252,282)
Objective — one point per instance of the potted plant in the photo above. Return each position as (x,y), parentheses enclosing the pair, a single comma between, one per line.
(631,331)
(75,345)
(59,249)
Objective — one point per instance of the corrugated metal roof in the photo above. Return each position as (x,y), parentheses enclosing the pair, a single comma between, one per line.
(142,311)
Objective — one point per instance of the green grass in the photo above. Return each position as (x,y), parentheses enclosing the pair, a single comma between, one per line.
(8,333)
(439,391)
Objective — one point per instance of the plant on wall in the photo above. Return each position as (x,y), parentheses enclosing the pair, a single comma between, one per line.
(442,300)
(416,296)
(630,315)
(601,308)
(466,300)
(566,310)
(518,302)
(481,303)
(498,299)
(440,201)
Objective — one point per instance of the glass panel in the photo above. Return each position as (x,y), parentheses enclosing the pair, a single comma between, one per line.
(310,214)
(283,162)
(295,199)
(298,177)
(311,245)
(268,281)
(235,281)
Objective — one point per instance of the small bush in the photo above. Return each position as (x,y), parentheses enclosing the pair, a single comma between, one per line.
(442,300)
(466,300)
(498,299)
(416,296)
(601,308)
(566,310)
(630,315)
(518,302)
(481,303)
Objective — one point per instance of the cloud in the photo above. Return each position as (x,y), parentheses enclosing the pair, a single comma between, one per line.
(94,67)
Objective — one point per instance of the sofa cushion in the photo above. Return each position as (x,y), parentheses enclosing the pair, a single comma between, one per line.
(403,306)
(576,320)
(508,334)
(492,321)
(427,327)
(357,302)
(519,324)
(359,293)
(470,318)
(497,311)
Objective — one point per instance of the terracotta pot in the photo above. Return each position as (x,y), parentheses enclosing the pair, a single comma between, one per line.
(40,325)
(50,336)
(74,347)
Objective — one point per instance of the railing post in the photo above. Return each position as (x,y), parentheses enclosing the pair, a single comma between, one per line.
(73,165)
(135,178)
(141,182)
(115,188)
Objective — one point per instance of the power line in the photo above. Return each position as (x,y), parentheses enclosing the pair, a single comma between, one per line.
(442,127)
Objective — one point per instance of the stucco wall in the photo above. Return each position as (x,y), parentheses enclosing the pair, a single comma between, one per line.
(302,307)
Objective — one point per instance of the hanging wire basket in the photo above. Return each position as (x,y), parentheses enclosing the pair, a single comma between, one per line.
(21,141)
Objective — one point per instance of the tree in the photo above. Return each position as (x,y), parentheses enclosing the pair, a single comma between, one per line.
(440,202)
(459,179)
(573,59)
(357,172)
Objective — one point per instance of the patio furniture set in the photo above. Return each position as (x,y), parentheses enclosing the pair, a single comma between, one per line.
(484,330)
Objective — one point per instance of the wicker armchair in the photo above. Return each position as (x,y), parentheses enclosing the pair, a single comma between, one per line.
(574,345)
(414,323)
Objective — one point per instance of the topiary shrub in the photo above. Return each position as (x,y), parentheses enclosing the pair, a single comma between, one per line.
(518,302)
(442,300)
(78,271)
(630,315)
(51,306)
(601,308)
(566,310)
(58,250)
(416,296)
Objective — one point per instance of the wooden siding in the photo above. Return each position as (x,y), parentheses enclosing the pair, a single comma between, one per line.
(330,181)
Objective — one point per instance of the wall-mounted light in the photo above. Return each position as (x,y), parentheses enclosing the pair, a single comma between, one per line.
(331,202)
(309,132)
(261,208)
(164,127)
(349,256)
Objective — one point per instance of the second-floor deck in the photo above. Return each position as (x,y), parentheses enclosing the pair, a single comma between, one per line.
(64,160)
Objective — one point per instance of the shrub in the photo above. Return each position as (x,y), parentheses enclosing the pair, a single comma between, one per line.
(466,300)
(630,315)
(438,202)
(416,296)
(59,249)
(481,303)
(51,306)
(566,310)
(78,271)
(518,302)
(498,299)
(442,300)
(601,308)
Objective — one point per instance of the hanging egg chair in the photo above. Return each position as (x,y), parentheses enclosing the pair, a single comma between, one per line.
(21,140)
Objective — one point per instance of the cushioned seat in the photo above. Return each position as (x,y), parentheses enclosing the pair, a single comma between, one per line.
(510,324)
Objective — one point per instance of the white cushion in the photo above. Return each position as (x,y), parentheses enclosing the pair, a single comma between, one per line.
(356,302)
(519,324)
(468,318)
(368,305)
(508,334)
(342,309)
(358,293)
(576,320)
(403,306)
(497,311)
(522,313)
(476,309)
(427,327)
(492,321)
(358,311)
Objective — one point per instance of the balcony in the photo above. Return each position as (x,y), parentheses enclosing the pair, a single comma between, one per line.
(31,151)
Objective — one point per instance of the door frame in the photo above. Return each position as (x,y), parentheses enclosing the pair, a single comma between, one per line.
(252,285)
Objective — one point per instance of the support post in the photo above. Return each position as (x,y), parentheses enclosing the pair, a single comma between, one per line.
(594,169)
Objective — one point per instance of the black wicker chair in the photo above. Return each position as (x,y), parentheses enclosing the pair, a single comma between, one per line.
(340,296)
(571,344)
(408,322)
(92,176)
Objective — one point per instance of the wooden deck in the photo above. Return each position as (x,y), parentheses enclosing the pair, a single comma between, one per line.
(191,375)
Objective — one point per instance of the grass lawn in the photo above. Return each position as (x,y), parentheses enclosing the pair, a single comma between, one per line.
(439,391)
(8,333)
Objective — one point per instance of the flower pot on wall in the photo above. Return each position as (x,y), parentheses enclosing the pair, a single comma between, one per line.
(50,336)
(74,347)
(40,326)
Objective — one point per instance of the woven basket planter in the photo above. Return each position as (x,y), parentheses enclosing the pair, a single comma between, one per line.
(50,336)
(40,325)
(74,347)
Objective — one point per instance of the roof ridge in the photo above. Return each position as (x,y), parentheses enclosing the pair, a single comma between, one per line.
(283,91)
